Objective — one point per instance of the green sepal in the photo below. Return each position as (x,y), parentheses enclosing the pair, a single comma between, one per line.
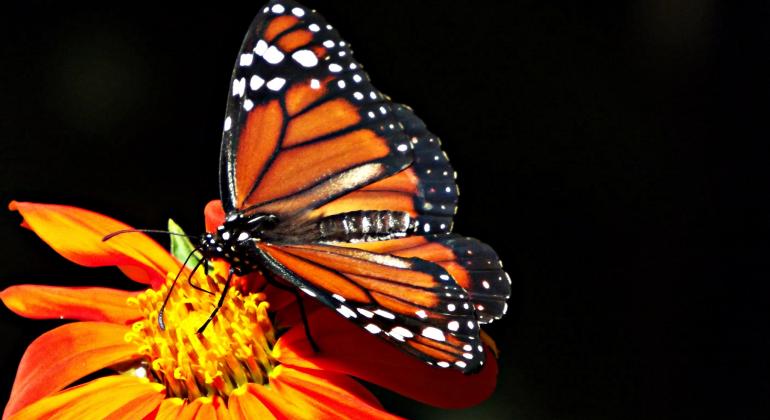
(181,247)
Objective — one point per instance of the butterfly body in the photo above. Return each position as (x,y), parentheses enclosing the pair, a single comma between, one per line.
(234,241)
(333,188)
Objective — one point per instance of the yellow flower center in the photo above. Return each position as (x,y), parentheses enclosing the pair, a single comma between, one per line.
(233,350)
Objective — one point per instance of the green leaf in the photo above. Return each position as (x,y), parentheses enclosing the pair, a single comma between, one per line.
(181,247)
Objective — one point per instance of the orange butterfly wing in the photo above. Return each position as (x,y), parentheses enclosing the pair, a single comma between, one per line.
(410,302)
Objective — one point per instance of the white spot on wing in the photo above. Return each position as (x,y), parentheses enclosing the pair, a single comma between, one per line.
(260,48)
(239,86)
(298,12)
(443,364)
(314,28)
(384,314)
(248,105)
(346,312)
(373,328)
(364,312)
(305,58)
(315,84)
(278,8)
(256,82)
(273,55)
(246,59)
(401,331)
(276,83)
(335,68)
(228,123)
(433,333)
(453,325)
(308,291)
(421,314)
(402,148)
(338,297)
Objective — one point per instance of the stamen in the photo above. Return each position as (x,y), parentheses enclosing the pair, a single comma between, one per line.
(235,349)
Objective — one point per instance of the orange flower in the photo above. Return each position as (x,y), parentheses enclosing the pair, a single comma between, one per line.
(244,365)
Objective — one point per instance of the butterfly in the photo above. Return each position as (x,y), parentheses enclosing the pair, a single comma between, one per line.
(333,188)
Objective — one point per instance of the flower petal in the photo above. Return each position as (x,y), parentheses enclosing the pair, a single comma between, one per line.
(117,397)
(170,409)
(205,408)
(317,395)
(245,406)
(347,349)
(80,303)
(77,235)
(215,215)
(65,354)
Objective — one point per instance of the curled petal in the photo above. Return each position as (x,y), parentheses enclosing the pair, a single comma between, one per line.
(317,395)
(347,349)
(64,355)
(109,397)
(215,215)
(77,235)
(79,303)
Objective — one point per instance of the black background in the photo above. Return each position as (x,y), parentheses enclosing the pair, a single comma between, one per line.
(614,155)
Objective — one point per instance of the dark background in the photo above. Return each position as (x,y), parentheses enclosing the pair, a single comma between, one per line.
(614,155)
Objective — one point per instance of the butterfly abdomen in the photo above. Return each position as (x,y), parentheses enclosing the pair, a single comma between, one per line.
(367,225)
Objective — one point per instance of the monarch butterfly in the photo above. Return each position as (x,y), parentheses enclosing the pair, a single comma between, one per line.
(331,187)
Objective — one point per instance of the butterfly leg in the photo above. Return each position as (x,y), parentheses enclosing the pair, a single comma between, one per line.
(219,304)
(205,270)
(270,279)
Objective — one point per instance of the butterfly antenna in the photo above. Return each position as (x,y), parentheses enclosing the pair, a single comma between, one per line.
(165,232)
(161,323)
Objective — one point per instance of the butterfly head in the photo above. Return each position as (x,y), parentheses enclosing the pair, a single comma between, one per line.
(234,240)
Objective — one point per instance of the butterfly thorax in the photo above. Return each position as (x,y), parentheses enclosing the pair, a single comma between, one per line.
(234,241)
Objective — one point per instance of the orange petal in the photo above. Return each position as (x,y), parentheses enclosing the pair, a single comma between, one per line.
(347,349)
(114,397)
(170,409)
(317,395)
(215,215)
(205,408)
(77,235)
(65,354)
(80,303)
(245,406)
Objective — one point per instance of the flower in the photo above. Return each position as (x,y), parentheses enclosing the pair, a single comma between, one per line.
(252,362)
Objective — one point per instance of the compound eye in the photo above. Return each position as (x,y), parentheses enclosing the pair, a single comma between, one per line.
(243,236)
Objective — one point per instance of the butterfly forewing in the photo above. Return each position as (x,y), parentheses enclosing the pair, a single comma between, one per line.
(308,139)
(303,124)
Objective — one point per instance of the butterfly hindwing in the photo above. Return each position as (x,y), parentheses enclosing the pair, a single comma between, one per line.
(303,124)
(413,303)
(473,264)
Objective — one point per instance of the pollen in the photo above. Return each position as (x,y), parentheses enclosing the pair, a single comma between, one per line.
(235,349)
